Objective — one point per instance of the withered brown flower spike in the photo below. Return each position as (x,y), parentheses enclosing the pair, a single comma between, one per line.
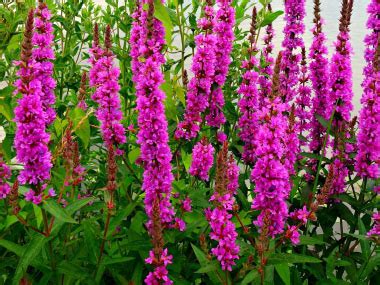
(221,179)
(96,35)
(107,38)
(83,87)
(317,17)
(27,46)
(276,78)
(112,170)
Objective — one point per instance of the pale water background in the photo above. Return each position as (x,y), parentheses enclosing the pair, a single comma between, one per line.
(330,13)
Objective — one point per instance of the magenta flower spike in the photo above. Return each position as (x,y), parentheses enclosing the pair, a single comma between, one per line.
(341,95)
(249,100)
(319,75)
(222,228)
(31,139)
(203,67)
(223,29)
(270,173)
(203,159)
(147,42)
(104,77)
(43,54)
(368,158)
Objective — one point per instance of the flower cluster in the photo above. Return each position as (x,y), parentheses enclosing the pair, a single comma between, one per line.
(375,231)
(249,101)
(203,67)
(368,158)
(203,158)
(319,75)
(293,30)
(43,54)
(5,173)
(104,78)
(31,139)
(147,42)
(222,228)
(341,95)
(270,174)
(223,29)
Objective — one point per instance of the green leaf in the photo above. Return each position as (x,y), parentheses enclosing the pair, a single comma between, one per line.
(290,258)
(251,276)
(162,14)
(204,262)
(270,17)
(186,159)
(284,272)
(208,268)
(69,269)
(58,212)
(134,154)
(31,252)
(108,260)
(364,244)
(306,240)
(15,248)
(81,125)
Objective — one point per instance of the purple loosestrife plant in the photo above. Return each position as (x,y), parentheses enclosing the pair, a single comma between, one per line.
(223,29)
(222,228)
(341,95)
(147,42)
(31,139)
(202,160)
(104,78)
(248,103)
(203,67)
(368,158)
(270,174)
(43,54)
(319,75)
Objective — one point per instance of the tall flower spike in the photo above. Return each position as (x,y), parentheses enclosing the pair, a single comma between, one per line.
(368,158)
(82,92)
(266,71)
(223,29)
(270,174)
(203,67)
(291,56)
(319,75)
(104,77)
(248,103)
(303,99)
(222,228)
(341,95)
(43,54)
(31,139)
(147,42)
(203,159)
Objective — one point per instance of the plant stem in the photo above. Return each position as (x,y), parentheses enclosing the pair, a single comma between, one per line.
(104,239)
(46,225)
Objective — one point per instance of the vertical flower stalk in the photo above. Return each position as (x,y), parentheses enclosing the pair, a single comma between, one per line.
(266,72)
(223,30)
(203,67)
(82,92)
(270,174)
(104,77)
(31,139)
(319,75)
(248,103)
(203,159)
(147,43)
(303,100)
(368,158)
(290,70)
(222,228)
(291,56)
(43,55)
(341,95)
(5,174)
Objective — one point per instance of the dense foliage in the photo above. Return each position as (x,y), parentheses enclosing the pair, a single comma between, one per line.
(166,143)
